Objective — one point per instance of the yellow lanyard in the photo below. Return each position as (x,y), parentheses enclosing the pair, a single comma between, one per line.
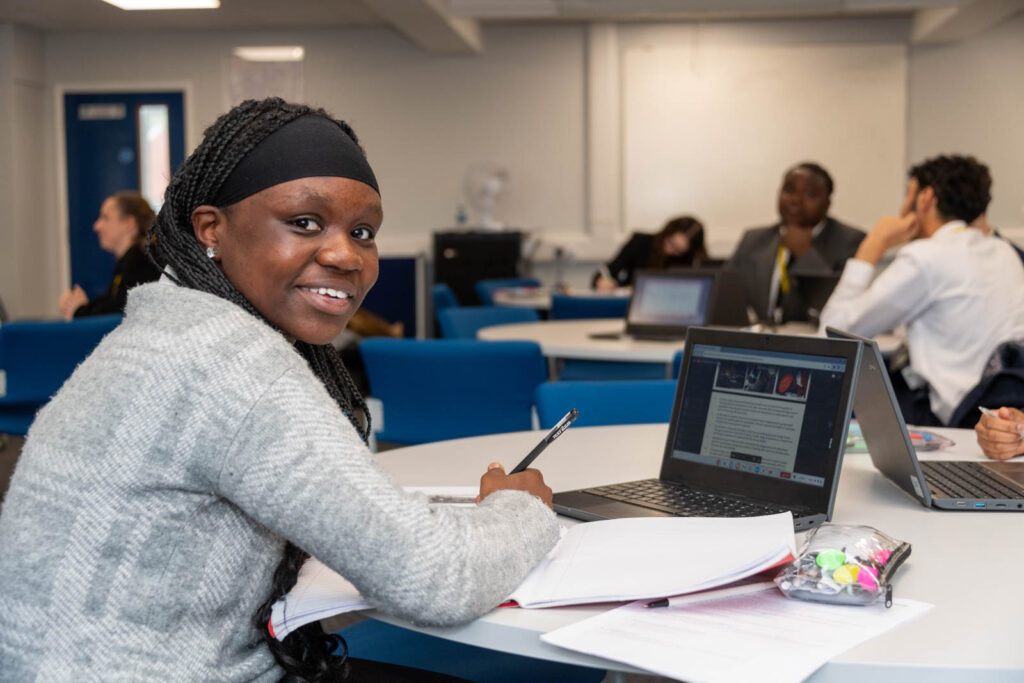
(783,275)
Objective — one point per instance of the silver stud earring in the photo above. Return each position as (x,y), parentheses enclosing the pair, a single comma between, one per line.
(211,252)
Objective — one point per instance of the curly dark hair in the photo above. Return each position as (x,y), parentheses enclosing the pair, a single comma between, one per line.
(962,185)
(307,652)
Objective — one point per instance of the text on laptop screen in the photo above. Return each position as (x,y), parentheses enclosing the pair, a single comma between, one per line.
(670,301)
(762,412)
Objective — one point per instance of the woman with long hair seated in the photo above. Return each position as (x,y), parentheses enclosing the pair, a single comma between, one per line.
(125,218)
(679,243)
(168,494)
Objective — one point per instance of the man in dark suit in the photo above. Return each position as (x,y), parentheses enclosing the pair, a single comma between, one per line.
(780,264)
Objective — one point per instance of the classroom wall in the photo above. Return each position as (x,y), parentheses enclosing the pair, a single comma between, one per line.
(422,119)
(27,261)
(540,102)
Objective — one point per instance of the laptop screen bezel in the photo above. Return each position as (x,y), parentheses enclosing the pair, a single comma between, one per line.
(663,330)
(785,493)
(895,458)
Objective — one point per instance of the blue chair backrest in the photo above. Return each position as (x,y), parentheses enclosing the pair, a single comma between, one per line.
(605,402)
(437,389)
(464,321)
(443,297)
(616,402)
(564,307)
(677,363)
(38,357)
(1001,384)
(485,288)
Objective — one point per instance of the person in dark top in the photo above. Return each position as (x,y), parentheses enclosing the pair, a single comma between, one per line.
(805,240)
(679,243)
(124,219)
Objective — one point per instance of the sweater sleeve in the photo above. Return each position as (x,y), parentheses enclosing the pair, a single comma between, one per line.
(298,467)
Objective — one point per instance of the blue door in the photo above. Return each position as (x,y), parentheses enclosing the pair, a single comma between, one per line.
(115,141)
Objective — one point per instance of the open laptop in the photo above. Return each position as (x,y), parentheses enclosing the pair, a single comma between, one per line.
(982,486)
(758,427)
(816,288)
(665,303)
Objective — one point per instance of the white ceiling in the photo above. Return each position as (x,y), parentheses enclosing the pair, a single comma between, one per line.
(95,15)
(455,25)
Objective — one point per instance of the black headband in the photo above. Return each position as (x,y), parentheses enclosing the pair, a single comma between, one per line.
(308,147)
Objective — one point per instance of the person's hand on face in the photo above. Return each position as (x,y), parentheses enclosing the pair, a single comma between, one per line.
(529,480)
(70,301)
(303,252)
(1001,437)
(892,231)
(797,240)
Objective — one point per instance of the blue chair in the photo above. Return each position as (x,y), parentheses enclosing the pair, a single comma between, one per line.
(36,358)
(380,642)
(565,307)
(485,288)
(606,403)
(677,363)
(439,389)
(443,297)
(463,322)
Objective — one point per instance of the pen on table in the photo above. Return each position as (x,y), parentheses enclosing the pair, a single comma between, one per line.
(716,594)
(555,432)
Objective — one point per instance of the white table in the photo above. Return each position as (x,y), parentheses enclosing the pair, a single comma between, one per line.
(540,297)
(969,565)
(571,339)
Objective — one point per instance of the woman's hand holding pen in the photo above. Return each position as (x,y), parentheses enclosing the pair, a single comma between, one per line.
(1001,434)
(529,480)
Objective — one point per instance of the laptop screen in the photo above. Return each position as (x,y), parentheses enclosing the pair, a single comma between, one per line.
(671,301)
(763,412)
(762,416)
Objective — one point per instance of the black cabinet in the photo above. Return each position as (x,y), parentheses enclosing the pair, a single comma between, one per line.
(463,257)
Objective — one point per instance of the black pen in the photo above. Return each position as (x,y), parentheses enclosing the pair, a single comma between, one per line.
(555,432)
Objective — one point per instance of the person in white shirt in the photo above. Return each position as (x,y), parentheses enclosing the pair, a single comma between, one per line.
(959,291)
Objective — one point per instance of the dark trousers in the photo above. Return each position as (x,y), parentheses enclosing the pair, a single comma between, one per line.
(914,403)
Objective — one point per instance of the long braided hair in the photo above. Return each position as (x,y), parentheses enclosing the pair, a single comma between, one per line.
(307,652)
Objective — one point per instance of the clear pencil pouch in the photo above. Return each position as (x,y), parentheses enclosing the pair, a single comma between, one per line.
(845,565)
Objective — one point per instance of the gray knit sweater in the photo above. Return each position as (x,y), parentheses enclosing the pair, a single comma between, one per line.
(155,492)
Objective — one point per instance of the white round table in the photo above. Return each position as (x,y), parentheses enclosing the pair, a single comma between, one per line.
(540,297)
(571,339)
(967,564)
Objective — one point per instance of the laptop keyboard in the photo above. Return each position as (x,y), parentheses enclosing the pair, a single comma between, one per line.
(678,500)
(966,480)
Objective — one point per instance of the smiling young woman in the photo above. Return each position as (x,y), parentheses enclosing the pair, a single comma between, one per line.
(169,493)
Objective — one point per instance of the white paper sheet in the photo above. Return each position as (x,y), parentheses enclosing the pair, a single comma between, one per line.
(629,559)
(764,637)
(319,592)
